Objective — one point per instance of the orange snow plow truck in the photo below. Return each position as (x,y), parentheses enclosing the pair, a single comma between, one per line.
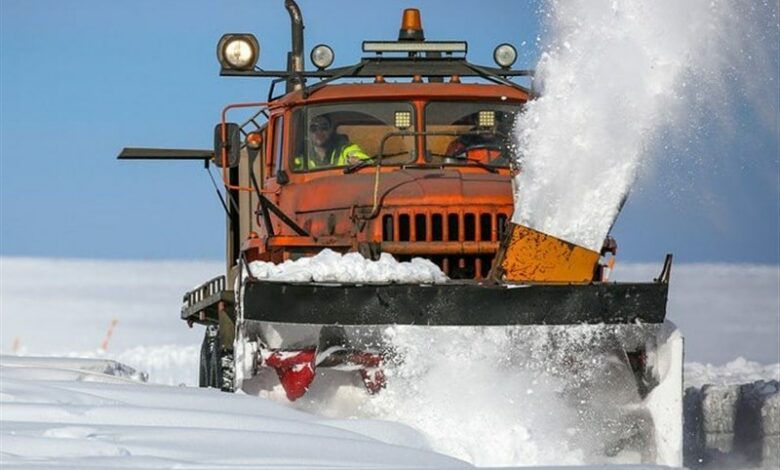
(408,152)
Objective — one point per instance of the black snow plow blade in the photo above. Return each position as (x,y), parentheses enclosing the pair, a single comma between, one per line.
(455,303)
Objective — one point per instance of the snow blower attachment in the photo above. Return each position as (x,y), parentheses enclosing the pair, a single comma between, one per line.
(537,280)
(609,340)
(404,183)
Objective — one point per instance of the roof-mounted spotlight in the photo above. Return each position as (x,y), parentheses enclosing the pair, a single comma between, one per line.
(505,55)
(238,51)
(322,56)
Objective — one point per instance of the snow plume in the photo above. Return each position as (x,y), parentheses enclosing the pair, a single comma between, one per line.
(620,82)
(460,388)
(495,395)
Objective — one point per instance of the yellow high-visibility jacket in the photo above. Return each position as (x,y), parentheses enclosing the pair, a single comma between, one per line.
(339,156)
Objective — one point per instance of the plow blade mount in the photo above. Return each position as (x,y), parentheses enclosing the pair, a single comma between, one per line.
(454,304)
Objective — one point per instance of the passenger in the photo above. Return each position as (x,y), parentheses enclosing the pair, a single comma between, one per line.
(329,149)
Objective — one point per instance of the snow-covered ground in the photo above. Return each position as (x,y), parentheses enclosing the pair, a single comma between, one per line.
(61,412)
(730,315)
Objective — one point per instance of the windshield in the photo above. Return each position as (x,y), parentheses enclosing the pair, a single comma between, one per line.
(469,131)
(344,134)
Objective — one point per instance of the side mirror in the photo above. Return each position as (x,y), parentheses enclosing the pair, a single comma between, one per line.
(232,143)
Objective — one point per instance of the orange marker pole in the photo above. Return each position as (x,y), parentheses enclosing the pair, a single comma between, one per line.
(109,333)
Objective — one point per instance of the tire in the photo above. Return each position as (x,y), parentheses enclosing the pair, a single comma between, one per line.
(216,364)
(210,360)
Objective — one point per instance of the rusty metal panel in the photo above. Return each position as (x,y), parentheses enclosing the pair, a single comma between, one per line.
(533,256)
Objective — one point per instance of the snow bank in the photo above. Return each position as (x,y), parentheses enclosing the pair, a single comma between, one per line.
(329,266)
(738,371)
(168,364)
(55,420)
(78,368)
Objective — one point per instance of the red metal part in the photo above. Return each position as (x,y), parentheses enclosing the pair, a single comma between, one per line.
(373,379)
(295,370)
(367,359)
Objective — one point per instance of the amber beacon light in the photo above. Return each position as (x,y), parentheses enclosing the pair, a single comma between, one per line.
(411,26)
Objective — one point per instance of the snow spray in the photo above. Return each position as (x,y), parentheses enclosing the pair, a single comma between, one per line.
(525,395)
(615,80)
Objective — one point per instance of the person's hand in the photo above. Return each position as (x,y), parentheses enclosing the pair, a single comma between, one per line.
(352,159)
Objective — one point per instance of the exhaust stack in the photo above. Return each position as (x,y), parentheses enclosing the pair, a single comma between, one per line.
(295,56)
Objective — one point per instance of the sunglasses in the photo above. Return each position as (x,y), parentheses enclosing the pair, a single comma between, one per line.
(319,127)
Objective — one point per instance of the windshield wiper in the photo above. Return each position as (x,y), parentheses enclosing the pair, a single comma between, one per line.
(358,165)
(363,163)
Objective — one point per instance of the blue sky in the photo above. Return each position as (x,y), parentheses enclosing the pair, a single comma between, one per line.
(80,80)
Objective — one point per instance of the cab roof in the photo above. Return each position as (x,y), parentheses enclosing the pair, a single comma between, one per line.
(403,91)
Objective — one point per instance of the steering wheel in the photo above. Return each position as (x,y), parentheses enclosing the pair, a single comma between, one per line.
(487,148)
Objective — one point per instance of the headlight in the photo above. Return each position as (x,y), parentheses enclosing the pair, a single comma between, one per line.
(322,56)
(505,55)
(238,51)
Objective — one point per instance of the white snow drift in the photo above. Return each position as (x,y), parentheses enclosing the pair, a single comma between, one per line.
(76,414)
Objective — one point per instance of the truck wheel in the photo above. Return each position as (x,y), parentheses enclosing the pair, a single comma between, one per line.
(210,360)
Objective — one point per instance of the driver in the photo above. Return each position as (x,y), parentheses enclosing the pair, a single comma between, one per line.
(329,148)
(492,141)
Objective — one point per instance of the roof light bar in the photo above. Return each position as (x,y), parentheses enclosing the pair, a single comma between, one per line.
(448,47)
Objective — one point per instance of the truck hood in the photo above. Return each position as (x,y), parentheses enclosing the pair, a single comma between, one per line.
(404,187)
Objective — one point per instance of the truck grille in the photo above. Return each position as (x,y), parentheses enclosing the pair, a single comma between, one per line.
(461,243)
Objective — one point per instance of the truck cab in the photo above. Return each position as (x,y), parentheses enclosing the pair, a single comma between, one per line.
(432,179)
